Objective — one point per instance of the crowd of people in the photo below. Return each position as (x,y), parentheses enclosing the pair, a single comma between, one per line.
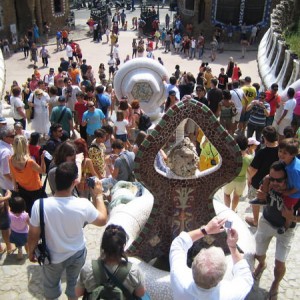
(81,130)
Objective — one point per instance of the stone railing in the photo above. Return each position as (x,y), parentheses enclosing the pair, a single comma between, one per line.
(2,75)
(276,63)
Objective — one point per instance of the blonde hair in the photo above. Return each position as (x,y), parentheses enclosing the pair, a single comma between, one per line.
(20,146)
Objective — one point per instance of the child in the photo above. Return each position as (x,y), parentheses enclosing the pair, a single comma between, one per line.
(5,223)
(252,146)
(121,126)
(287,152)
(34,148)
(238,185)
(19,224)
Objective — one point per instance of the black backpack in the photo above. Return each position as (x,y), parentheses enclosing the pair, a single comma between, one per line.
(145,122)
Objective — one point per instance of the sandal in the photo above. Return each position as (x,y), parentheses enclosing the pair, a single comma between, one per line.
(250,221)
(258,272)
(11,251)
(3,250)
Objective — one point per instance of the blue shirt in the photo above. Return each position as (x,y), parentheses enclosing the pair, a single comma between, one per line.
(93,119)
(293,174)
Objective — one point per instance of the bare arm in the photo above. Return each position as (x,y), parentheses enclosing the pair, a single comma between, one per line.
(40,168)
(99,204)
(33,239)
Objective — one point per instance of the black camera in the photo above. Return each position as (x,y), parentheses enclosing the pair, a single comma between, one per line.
(42,254)
(90,181)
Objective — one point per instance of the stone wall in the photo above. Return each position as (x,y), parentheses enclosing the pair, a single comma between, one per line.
(276,63)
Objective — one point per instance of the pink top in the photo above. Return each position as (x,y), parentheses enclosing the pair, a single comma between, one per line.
(19,223)
(297,108)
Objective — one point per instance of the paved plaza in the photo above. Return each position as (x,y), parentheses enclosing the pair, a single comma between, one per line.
(22,279)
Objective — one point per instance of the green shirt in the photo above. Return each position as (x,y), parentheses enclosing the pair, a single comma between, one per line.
(65,120)
(247,159)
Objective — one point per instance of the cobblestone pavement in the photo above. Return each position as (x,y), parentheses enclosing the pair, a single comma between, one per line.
(22,279)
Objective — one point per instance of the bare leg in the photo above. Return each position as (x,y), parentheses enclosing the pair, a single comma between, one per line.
(279,272)
(5,236)
(227,200)
(235,201)
(260,267)
(255,210)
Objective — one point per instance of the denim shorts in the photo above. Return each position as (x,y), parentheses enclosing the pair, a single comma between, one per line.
(122,137)
(19,239)
(53,273)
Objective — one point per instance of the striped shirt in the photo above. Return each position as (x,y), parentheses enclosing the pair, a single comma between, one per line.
(257,113)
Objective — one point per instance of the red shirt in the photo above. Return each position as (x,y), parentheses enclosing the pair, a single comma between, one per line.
(80,108)
(273,100)
(34,152)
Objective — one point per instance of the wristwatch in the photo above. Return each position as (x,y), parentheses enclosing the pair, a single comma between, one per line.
(202,229)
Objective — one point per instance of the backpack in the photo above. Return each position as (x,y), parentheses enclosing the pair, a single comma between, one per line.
(145,122)
(107,288)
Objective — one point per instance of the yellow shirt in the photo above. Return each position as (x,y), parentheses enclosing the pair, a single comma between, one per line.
(249,93)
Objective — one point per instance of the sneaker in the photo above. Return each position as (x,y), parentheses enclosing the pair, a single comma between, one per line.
(257,201)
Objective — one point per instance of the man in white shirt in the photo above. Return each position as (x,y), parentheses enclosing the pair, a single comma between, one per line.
(49,78)
(69,92)
(237,95)
(171,86)
(205,279)
(69,52)
(111,66)
(64,217)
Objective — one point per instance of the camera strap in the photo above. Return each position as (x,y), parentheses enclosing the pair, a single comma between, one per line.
(42,223)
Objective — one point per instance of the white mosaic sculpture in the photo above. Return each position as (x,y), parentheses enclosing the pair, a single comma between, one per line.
(141,79)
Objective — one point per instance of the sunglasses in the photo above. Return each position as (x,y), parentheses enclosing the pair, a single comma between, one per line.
(89,106)
(39,94)
(279,180)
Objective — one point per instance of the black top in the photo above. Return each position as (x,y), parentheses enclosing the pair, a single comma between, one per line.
(202,100)
(214,97)
(262,162)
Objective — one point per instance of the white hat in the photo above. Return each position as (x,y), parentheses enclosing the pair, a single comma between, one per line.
(253,141)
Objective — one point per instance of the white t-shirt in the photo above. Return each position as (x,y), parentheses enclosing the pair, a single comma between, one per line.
(289,105)
(15,103)
(69,51)
(121,127)
(237,96)
(5,152)
(64,220)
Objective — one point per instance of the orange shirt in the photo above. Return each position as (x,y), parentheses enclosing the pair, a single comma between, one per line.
(74,73)
(27,178)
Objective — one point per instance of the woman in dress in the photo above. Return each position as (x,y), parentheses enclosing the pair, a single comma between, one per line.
(87,168)
(101,73)
(25,173)
(40,102)
(113,259)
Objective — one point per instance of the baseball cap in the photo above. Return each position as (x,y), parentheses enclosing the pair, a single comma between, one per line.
(172,93)
(3,120)
(248,78)
(253,141)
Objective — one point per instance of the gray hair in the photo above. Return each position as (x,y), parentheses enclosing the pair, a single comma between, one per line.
(6,131)
(209,267)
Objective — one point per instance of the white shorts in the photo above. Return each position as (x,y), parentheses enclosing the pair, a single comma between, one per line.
(265,232)
(177,45)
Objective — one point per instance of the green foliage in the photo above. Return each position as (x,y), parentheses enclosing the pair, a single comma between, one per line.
(292,37)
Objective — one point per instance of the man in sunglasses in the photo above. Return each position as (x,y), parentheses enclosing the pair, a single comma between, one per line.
(272,223)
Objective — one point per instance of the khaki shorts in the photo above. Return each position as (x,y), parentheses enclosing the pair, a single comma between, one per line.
(236,186)
(265,232)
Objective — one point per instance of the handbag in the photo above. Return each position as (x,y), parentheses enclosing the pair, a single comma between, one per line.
(41,251)
(32,110)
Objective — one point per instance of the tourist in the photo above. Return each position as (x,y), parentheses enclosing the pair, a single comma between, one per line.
(205,278)
(44,54)
(93,119)
(80,107)
(259,168)
(214,97)
(25,173)
(237,95)
(237,186)
(97,152)
(63,115)
(284,113)
(39,101)
(275,214)
(87,168)
(19,220)
(227,111)
(249,95)
(66,247)
(34,53)
(114,259)
(259,110)
(273,98)
(17,106)
(69,92)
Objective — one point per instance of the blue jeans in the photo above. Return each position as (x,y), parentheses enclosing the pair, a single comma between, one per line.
(53,272)
(201,52)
